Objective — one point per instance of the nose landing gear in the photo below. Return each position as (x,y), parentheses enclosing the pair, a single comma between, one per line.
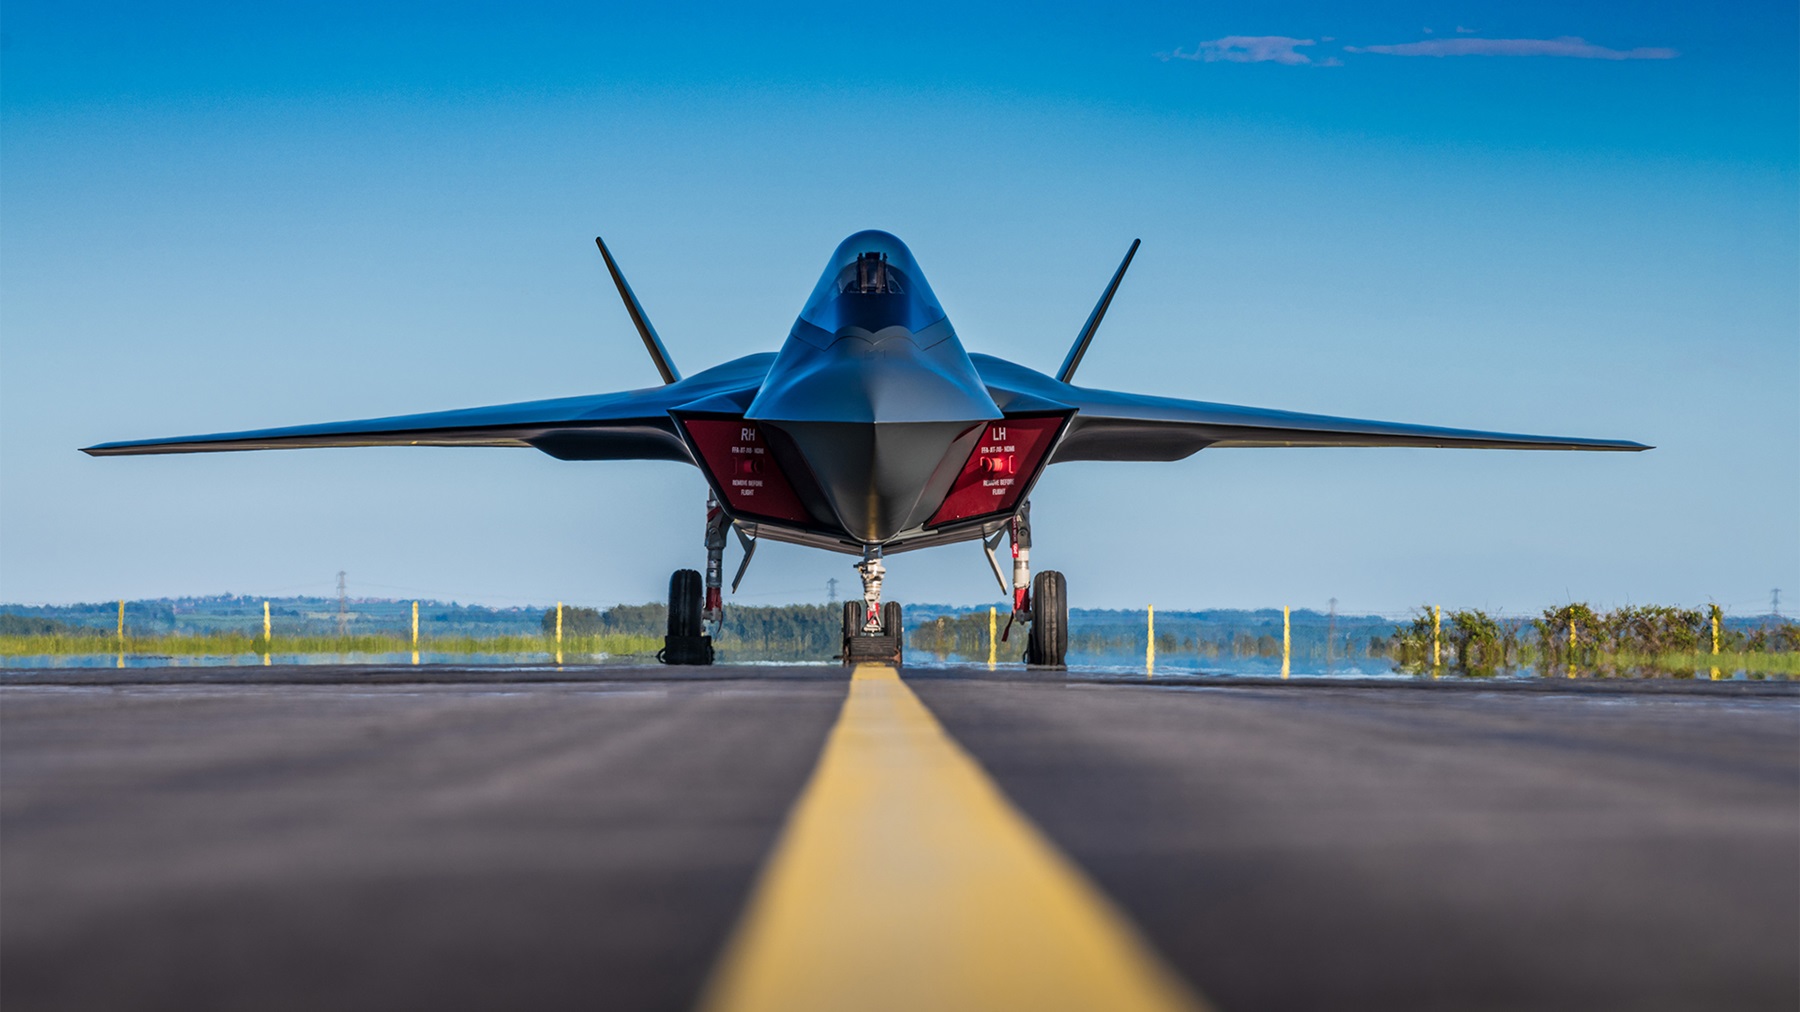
(872,633)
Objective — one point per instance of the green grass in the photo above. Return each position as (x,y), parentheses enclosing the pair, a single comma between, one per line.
(1779,664)
(1785,664)
(228,643)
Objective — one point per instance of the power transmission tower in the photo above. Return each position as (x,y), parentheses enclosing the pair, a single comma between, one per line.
(831,589)
(1775,603)
(1331,631)
(343,608)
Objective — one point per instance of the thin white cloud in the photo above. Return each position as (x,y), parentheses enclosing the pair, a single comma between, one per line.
(1564,46)
(1246,49)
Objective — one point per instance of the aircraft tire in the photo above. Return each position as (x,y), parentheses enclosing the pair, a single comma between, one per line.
(890,626)
(685,643)
(854,612)
(1047,645)
(684,603)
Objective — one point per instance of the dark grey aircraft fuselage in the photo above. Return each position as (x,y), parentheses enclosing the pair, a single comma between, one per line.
(872,406)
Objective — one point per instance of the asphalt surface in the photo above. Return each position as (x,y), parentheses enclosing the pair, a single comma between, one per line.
(278,838)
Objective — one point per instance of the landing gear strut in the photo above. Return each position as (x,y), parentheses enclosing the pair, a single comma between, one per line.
(871,629)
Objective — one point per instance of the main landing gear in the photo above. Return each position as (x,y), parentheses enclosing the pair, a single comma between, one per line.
(689,612)
(872,632)
(1040,604)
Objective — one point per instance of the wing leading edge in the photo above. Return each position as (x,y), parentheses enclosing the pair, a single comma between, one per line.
(1112,425)
(629,425)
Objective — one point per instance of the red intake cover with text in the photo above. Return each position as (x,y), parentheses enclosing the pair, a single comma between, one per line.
(1007,455)
(740,463)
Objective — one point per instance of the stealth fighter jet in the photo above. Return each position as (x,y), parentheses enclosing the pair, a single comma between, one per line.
(872,431)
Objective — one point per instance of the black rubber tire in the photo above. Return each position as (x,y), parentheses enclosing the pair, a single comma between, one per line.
(890,625)
(1048,642)
(684,603)
(853,623)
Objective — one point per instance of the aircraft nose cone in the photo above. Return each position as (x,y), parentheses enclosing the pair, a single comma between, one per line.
(880,377)
(882,425)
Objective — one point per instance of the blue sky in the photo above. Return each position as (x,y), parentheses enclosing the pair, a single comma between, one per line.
(1584,222)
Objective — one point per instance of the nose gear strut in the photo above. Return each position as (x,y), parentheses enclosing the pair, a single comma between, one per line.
(872,571)
(872,631)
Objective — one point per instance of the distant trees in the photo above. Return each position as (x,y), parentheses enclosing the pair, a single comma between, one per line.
(1575,634)
(789,631)
(1470,641)
(622,619)
(37,625)
(959,635)
(1477,641)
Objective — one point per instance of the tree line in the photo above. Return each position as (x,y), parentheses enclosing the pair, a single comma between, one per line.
(786,631)
(1577,634)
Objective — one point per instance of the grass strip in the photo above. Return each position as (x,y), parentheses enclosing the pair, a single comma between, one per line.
(227,643)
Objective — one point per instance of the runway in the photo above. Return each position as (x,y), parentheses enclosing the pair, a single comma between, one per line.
(611,837)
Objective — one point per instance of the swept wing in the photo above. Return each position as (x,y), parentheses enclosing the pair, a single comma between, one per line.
(628,425)
(1114,425)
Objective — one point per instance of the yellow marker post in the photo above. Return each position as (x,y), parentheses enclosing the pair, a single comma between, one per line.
(1437,644)
(268,637)
(993,627)
(1287,641)
(1715,641)
(415,641)
(1150,645)
(1571,643)
(559,632)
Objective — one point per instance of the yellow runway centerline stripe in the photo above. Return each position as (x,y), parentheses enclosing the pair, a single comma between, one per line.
(905,879)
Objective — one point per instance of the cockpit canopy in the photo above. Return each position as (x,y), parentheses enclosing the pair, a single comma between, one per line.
(871,275)
(872,283)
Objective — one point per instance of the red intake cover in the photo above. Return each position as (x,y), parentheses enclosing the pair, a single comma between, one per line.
(741,465)
(1007,455)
